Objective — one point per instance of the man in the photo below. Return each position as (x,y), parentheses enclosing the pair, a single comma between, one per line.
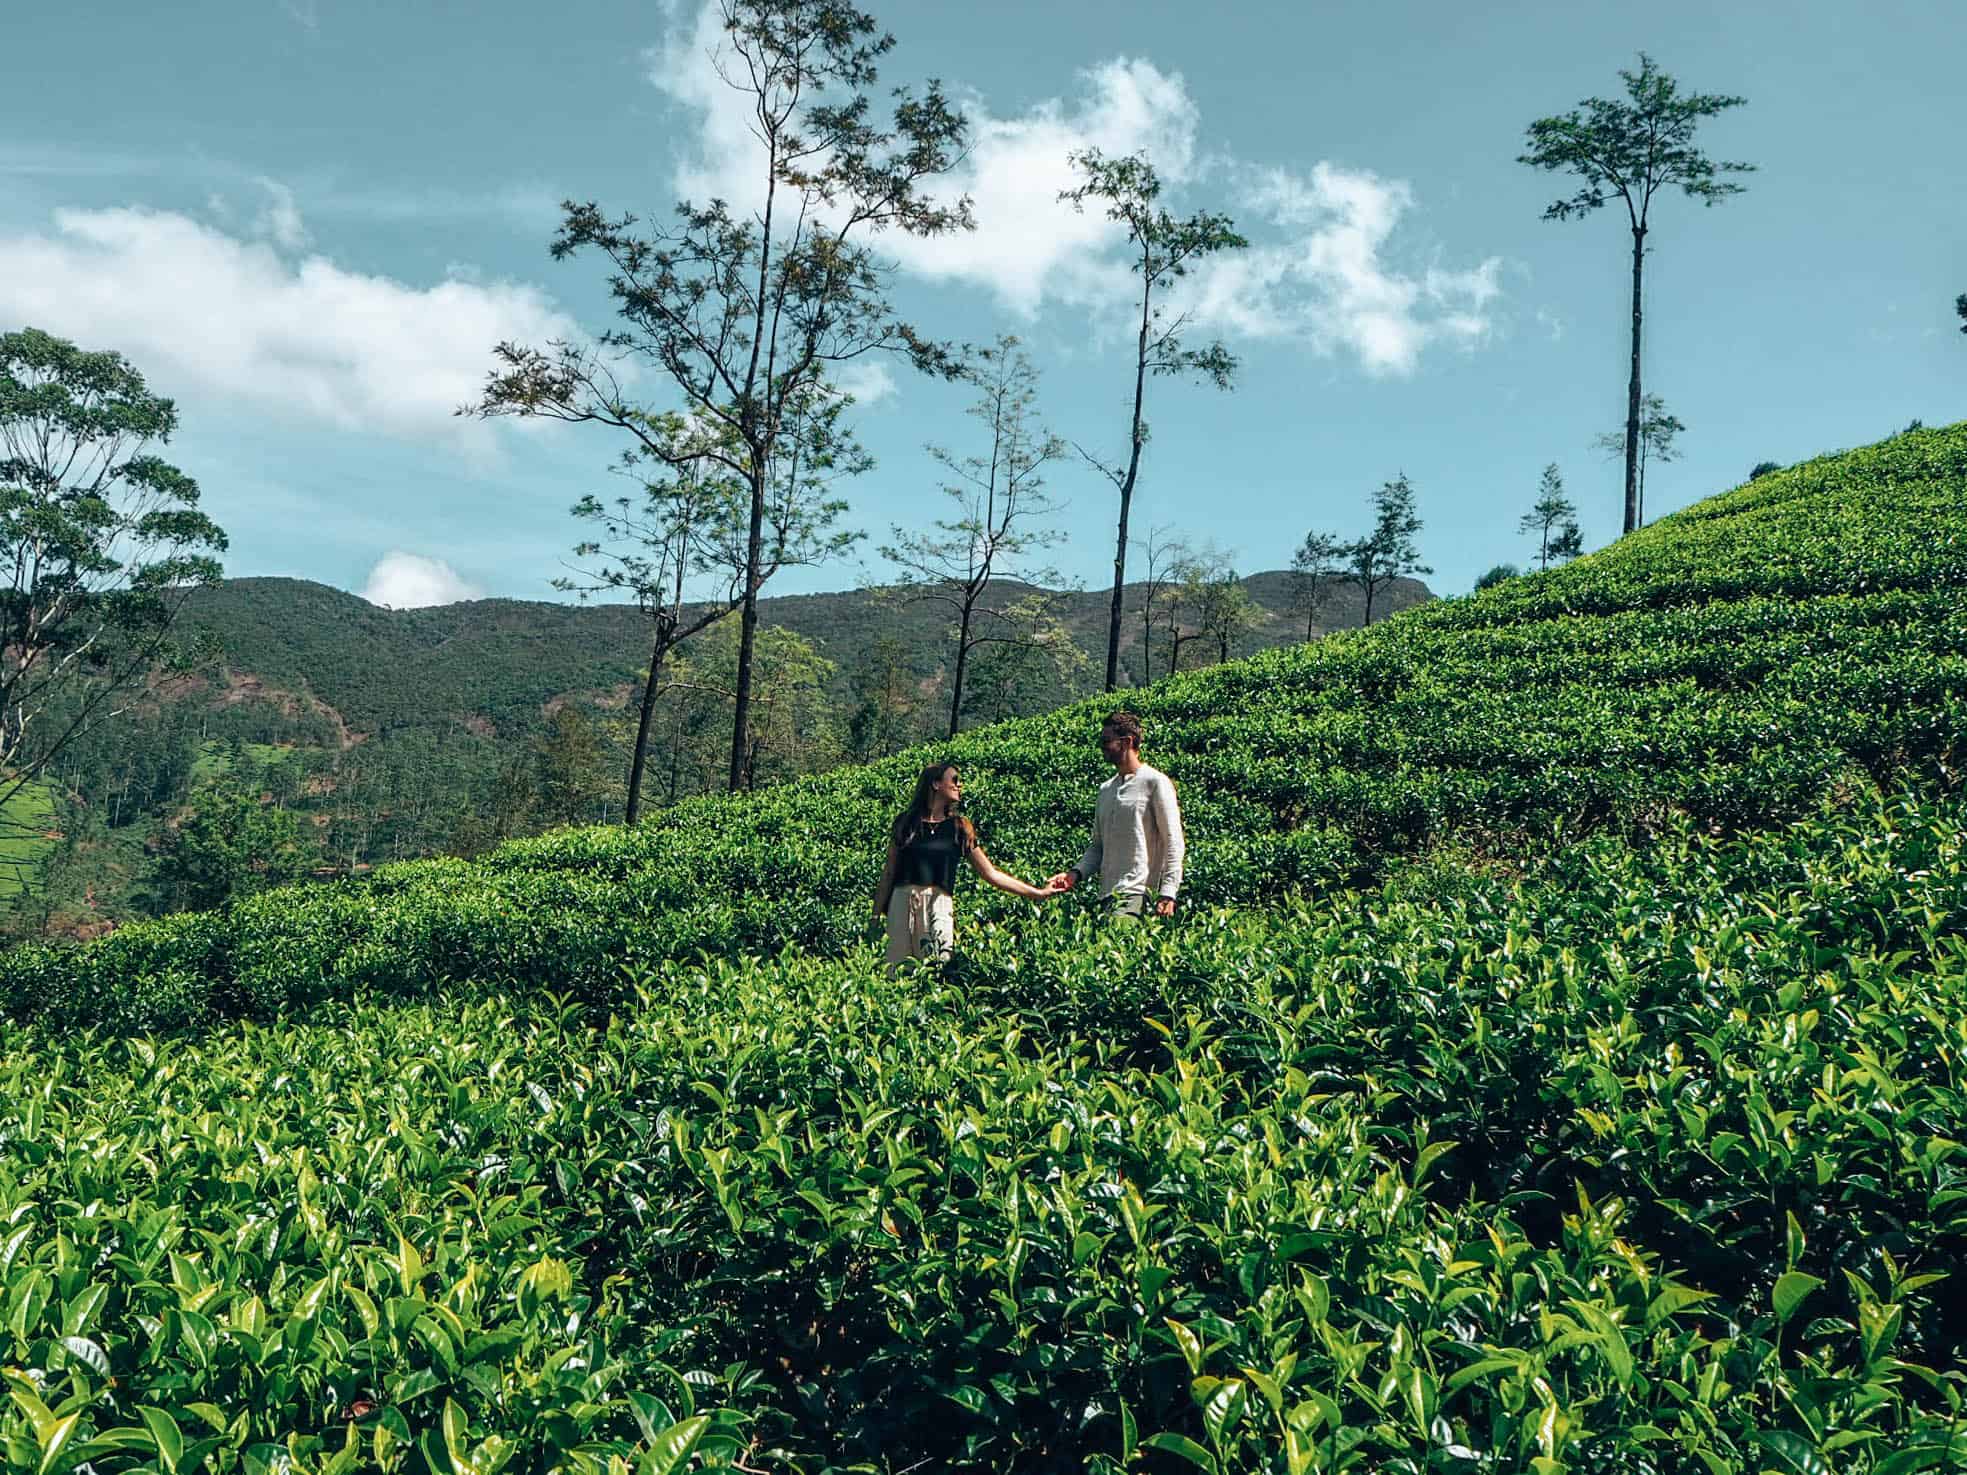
(1138,846)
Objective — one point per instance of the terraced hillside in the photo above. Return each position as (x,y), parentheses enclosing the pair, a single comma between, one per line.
(1558,1067)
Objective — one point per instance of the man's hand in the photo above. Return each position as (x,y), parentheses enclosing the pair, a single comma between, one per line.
(1063,881)
(1165,907)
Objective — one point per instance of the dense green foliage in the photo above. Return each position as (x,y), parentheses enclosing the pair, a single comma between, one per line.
(1558,1068)
(1642,1161)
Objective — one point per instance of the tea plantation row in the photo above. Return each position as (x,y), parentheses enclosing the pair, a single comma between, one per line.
(1802,637)
(1648,1161)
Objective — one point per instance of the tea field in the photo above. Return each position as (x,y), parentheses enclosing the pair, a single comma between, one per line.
(1557,1068)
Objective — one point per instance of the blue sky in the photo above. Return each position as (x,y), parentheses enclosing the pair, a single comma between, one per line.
(308,221)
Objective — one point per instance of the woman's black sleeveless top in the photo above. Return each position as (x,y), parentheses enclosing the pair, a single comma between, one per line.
(929,859)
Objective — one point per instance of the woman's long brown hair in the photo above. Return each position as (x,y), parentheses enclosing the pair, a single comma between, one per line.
(910,821)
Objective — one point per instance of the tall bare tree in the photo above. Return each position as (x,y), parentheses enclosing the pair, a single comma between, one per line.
(102,543)
(999,495)
(1164,249)
(1631,149)
(746,312)
(1168,554)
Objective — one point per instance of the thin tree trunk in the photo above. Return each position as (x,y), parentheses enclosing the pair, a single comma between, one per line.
(1127,492)
(747,634)
(635,767)
(1632,387)
(962,662)
(1644,447)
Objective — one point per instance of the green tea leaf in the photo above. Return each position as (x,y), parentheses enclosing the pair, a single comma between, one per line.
(1794,1450)
(1181,1444)
(88,1353)
(670,1450)
(1792,1287)
(164,1431)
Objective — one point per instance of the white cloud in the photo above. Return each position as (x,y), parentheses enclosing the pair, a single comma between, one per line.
(403,580)
(281,219)
(1326,277)
(867,379)
(1328,272)
(250,321)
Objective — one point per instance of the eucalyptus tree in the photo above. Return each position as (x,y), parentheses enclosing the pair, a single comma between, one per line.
(999,497)
(1320,560)
(679,546)
(1630,149)
(1553,521)
(1039,670)
(1193,590)
(746,311)
(1388,552)
(102,543)
(1163,249)
(1225,610)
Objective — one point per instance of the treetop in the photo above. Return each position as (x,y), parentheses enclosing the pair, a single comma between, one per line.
(1632,148)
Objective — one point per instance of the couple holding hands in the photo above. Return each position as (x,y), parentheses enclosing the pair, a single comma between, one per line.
(1137,850)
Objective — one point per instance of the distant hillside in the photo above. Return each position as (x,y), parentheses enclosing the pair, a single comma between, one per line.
(500,662)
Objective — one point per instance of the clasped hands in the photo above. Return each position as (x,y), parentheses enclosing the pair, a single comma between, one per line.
(1164,906)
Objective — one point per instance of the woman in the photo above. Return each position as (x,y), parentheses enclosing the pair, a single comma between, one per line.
(924,845)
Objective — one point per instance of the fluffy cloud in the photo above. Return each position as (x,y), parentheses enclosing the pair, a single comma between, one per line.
(249,319)
(867,379)
(1328,271)
(410,581)
(1325,275)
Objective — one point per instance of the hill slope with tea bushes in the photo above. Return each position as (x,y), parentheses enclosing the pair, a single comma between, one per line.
(1800,637)
(1557,1068)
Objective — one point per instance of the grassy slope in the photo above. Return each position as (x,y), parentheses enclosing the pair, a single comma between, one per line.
(25,820)
(1798,637)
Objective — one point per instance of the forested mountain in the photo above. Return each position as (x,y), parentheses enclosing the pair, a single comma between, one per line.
(503,661)
(371,734)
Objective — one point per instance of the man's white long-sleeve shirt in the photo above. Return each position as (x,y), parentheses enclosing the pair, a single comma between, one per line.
(1138,845)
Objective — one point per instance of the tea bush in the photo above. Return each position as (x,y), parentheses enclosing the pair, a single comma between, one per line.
(1644,1160)
(1799,637)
